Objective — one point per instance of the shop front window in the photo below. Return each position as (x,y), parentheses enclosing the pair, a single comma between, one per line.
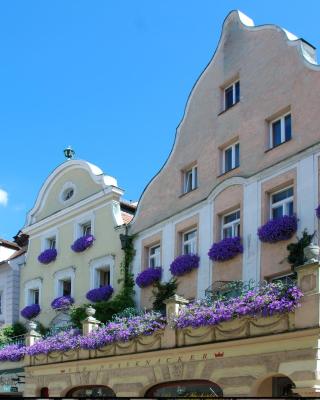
(93,391)
(187,388)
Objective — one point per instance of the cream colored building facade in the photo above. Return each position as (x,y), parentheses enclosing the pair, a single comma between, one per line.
(76,198)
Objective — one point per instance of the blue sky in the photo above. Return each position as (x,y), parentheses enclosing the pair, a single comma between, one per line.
(110,78)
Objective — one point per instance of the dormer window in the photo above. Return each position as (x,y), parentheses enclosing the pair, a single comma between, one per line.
(231,95)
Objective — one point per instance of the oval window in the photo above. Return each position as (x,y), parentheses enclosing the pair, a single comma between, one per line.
(67,194)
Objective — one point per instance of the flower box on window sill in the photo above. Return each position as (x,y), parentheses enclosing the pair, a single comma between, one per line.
(100,294)
(83,243)
(184,264)
(62,303)
(226,249)
(278,229)
(149,276)
(47,256)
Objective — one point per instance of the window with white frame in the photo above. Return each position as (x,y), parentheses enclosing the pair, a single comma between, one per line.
(190,179)
(189,242)
(231,157)
(102,277)
(64,287)
(33,296)
(231,95)
(51,242)
(86,228)
(280,130)
(230,225)
(286,278)
(282,203)
(154,256)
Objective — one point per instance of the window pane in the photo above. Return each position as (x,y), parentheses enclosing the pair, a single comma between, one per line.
(231,217)
(228,93)
(52,243)
(284,194)
(188,181)
(104,277)
(187,249)
(276,133)
(228,160)
(289,210)
(227,232)
(195,178)
(237,229)
(287,126)
(277,212)
(237,155)
(237,90)
(66,288)
(36,296)
(86,229)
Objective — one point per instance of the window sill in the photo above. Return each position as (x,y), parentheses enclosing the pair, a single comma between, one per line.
(227,172)
(185,194)
(229,108)
(278,145)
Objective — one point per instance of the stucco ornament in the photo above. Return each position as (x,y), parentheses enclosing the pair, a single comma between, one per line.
(311,253)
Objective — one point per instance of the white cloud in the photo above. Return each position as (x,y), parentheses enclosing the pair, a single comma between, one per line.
(3,198)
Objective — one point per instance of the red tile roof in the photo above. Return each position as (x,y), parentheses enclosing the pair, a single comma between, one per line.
(126,217)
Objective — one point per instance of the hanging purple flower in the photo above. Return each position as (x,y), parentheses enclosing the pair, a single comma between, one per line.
(277,229)
(31,311)
(226,249)
(47,256)
(99,294)
(62,302)
(82,243)
(318,211)
(149,276)
(184,264)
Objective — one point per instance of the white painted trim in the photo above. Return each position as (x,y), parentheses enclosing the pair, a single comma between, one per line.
(47,235)
(66,186)
(81,220)
(32,284)
(99,263)
(95,173)
(65,273)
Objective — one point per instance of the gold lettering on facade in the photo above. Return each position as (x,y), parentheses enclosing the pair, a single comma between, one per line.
(204,356)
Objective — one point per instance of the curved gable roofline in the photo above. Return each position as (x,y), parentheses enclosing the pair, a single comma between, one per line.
(306,51)
(95,173)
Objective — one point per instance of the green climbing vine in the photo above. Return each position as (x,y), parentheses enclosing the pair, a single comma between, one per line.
(105,310)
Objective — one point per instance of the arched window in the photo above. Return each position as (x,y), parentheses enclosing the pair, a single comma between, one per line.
(185,388)
(93,391)
(44,392)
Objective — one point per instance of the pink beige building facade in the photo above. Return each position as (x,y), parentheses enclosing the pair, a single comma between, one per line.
(246,150)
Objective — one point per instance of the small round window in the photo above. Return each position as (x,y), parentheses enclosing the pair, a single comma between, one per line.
(67,194)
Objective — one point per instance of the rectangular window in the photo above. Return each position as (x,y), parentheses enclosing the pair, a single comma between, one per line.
(34,296)
(103,277)
(282,203)
(189,242)
(280,130)
(231,157)
(231,95)
(65,287)
(230,225)
(51,243)
(86,229)
(190,179)
(154,256)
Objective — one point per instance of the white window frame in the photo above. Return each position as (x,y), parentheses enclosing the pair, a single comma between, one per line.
(45,238)
(233,157)
(280,118)
(82,220)
(192,241)
(155,256)
(64,274)
(283,203)
(193,171)
(34,284)
(106,262)
(233,85)
(235,225)
(65,187)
